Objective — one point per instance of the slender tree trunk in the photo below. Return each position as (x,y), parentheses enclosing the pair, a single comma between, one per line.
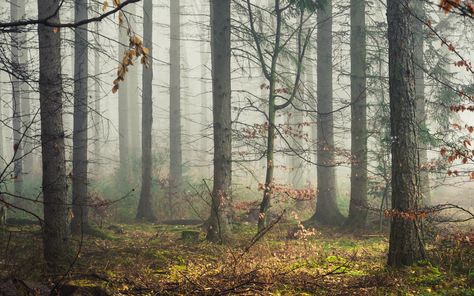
(176,157)
(405,243)
(222,122)
(123,106)
(267,192)
(16,103)
(358,203)
(145,205)
(27,165)
(186,130)
(204,91)
(314,128)
(263,95)
(97,111)
(327,211)
(79,221)
(134,114)
(270,151)
(420,98)
(52,138)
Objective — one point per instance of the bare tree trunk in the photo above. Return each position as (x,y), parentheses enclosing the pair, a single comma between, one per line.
(221,102)
(204,90)
(27,166)
(358,203)
(123,106)
(52,138)
(97,111)
(327,211)
(186,130)
(79,221)
(420,98)
(134,114)
(145,205)
(16,103)
(270,151)
(405,238)
(176,157)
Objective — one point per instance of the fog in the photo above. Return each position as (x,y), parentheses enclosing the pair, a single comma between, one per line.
(294,163)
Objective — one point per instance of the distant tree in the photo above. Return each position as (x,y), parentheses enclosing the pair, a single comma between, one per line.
(133,91)
(145,205)
(176,155)
(222,122)
(205,102)
(358,202)
(16,103)
(97,106)
(327,211)
(405,233)
(27,145)
(419,12)
(55,243)
(79,222)
(123,104)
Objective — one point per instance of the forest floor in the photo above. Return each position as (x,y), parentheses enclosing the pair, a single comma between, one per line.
(146,259)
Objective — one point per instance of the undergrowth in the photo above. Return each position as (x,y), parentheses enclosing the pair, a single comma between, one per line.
(147,259)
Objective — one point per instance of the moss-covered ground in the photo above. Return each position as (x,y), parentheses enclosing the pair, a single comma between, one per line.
(146,259)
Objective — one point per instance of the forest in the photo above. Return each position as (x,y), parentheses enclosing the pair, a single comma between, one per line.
(236,147)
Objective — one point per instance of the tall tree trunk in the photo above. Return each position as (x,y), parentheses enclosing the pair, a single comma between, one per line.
(145,205)
(52,138)
(358,202)
(420,98)
(327,211)
(79,221)
(176,157)
(123,108)
(405,237)
(27,165)
(16,103)
(204,54)
(221,103)
(97,111)
(186,130)
(133,91)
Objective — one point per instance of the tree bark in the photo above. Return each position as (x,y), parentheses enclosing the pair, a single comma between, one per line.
(145,205)
(79,222)
(176,157)
(405,238)
(358,202)
(222,123)
(327,211)
(52,139)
